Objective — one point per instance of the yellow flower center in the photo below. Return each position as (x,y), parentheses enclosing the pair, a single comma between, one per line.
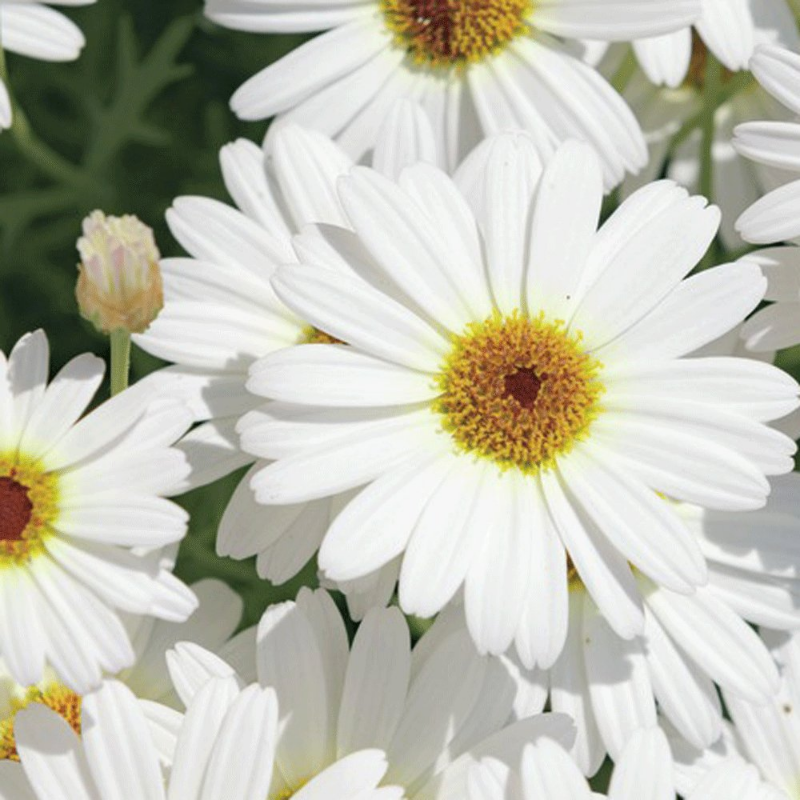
(447,33)
(312,335)
(62,700)
(518,391)
(28,504)
(285,794)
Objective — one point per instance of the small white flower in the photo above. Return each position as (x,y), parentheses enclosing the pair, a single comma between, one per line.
(81,515)
(434,711)
(774,218)
(547,772)
(478,66)
(32,29)
(503,403)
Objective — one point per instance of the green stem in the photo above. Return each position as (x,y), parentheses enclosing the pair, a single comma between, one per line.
(713,79)
(120,360)
(624,72)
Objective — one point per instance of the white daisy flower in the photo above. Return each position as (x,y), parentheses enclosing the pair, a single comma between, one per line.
(433,711)
(613,688)
(35,30)
(225,748)
(495,359)
(478,67)
(757,758)
(777,144)
(221,314)
(548,772)
(730,29)
(81,512)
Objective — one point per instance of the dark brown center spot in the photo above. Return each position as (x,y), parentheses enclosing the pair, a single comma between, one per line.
(523,385)
(15,510)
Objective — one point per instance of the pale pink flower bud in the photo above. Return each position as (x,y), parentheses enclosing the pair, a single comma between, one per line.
(119,280)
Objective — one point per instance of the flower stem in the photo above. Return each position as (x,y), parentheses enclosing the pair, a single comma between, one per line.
(713,84)
(120,360)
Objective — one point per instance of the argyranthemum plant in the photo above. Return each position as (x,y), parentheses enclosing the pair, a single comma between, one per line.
(503,412)
(479,67)
(82,507)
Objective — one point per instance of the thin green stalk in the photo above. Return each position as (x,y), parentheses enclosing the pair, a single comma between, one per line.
(624,72)
(713,81)
(120,360)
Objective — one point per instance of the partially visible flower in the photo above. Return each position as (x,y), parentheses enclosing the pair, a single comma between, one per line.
(478,66)
(225,749)
(211,625)
(730,29)
(32,29)
(434,710)
(119,280)
(758,756)
(82,515)
(546,772)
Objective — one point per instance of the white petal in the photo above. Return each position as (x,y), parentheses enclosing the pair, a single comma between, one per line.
(52,756)
(374,321)
(565,217)
(727,28)
(405,138)
(376,682)
(289,660)
(341,375)
(619,683)
(121,754)
(614,20)
(377,524)
(644,772)
(719,641)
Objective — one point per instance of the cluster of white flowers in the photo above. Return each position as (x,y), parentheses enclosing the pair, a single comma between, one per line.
(467,328)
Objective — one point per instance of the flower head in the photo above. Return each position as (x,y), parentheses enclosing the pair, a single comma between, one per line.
(119,280)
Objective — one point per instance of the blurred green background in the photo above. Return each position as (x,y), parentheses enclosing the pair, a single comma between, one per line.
(136,121)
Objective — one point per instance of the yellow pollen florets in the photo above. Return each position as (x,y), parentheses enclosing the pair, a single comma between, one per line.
(312,335)
(63,701)
(447,33)
(28,505)
(518,391)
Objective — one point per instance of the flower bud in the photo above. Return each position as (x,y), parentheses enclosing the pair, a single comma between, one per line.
(119,280)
